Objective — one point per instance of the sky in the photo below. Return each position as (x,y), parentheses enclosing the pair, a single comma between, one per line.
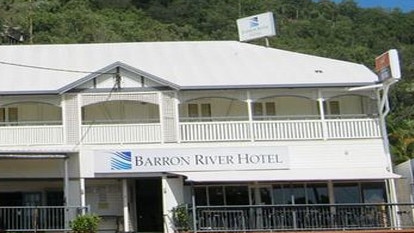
(404,5)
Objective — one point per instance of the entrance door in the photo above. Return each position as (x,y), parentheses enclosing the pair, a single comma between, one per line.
(149,205)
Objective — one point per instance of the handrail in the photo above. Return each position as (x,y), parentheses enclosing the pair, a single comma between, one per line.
(299,217)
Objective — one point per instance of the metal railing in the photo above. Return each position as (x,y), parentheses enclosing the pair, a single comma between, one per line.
(38,218)
(302,217)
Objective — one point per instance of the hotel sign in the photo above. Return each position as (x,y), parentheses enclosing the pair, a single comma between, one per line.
(387,66)
(190,159)
(256,26)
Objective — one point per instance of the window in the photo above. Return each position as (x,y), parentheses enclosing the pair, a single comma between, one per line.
(205,110)
(257,109)
(200,194)
(8,115)
(317,194)
(2,115)
(334,108)
(237,195)
(216,195)
(221,195)
(192,110)
(199,110)
(347,193)
(270,109)
(264,109)
(373,192)
(331,108)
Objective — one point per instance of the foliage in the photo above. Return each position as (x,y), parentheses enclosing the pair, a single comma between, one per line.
(181,218)
(340,30)
(87,223)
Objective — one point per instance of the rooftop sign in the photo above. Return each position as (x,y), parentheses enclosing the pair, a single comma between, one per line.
(256,26)
(387,66)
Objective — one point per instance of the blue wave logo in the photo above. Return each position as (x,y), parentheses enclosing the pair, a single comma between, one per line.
(121,160)
(254,22)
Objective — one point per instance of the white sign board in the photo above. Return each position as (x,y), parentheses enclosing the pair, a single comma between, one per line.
(256,26)
(190,159)
(387,65)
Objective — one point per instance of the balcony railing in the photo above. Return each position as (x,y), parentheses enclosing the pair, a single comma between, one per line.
(194,130)
(121,133)
(266,130)
(299,217)
(38,218)
(47,133)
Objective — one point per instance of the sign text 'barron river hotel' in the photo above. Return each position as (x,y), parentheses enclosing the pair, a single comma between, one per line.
(191,159)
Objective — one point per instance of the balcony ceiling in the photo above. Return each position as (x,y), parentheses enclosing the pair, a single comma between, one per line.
(182,65)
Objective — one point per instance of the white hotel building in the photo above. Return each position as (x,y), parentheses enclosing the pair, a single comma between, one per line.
(134,130)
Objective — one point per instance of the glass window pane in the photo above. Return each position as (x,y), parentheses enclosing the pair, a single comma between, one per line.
(205,110)
(374,193)
(200,196)
(257,109)
(192,110)
(281,194)
(347,193)
(2,115)
(297,193)
(317,193)
(237,195)
(13,117)
(270,109)
(216,195)
(334,107)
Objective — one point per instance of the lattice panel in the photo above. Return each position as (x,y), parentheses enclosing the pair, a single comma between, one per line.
(71,118)
(169,117)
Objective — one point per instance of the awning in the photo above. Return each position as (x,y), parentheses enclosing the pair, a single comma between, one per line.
(36,153)
(289,175)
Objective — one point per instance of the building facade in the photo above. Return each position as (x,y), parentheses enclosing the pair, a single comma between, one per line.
(136,130)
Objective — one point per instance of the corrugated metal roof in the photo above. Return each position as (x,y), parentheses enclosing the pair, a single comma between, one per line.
(187,65)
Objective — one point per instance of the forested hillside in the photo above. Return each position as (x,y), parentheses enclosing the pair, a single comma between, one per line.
(336,30)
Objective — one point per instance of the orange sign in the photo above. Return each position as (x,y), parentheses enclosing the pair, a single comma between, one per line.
(382,62)
(387,66)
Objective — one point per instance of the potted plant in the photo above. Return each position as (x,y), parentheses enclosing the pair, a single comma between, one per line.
(87,223)
(181,218)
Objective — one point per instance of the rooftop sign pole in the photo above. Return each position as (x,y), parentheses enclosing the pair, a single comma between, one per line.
(387,66)
(256,26)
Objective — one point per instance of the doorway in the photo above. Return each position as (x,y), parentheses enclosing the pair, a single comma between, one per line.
(149,205)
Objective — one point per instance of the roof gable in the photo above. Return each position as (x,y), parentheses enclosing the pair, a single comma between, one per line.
(115,76)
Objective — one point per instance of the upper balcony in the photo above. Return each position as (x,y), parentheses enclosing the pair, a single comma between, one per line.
(278,118)
(31,123)
(191,117)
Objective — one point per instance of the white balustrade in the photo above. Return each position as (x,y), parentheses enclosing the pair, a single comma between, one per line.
(31,135)
(287,130)
(279,130)
(215,131)
(121,133)
(353,128)
(196,132)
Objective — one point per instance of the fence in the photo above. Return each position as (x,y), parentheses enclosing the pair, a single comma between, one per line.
(38,218)
(302,217)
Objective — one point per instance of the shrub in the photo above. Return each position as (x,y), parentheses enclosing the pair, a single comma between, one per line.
(181,219)
(87,223)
